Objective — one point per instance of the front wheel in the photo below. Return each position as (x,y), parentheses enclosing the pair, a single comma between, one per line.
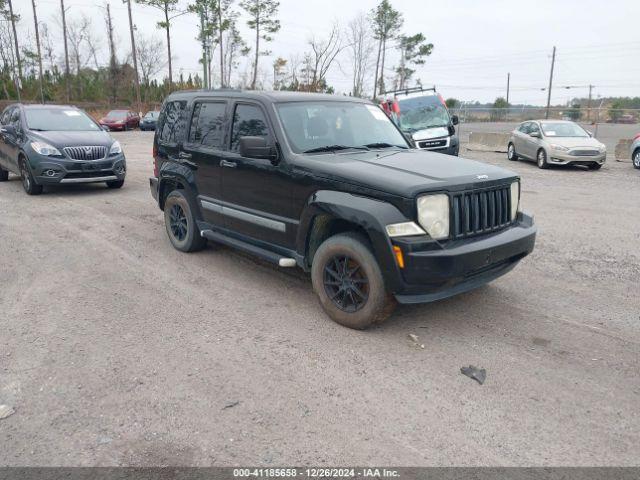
(542,159)
(181,223)
(115,183)
(28,183)
(636,158)
(511,153)
(595,166)
(349,284)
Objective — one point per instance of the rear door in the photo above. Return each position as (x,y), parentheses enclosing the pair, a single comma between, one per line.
(5,119)
(519,138)
(171,130)
(203,147)
(257,193)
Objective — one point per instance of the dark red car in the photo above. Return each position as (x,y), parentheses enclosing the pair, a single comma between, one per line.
(120,120)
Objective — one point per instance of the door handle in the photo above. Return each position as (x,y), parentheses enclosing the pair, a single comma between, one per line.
(225,163)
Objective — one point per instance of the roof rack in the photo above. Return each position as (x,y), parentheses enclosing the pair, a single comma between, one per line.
(407,91)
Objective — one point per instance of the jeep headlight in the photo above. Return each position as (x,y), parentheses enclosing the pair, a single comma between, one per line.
(45,149)
(515,199)
(115,148)
(433,215)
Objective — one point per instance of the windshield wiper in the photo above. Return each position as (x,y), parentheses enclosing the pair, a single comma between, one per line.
(383,145)
(333,148)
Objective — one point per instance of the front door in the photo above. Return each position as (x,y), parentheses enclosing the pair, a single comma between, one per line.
(257,193)
(203,150)
(532,143)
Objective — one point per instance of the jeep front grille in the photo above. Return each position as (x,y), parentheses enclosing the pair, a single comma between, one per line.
(86,153)
(480,211)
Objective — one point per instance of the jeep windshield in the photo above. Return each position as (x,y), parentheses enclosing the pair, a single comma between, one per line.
(326,127)
(421,113)
(59,119)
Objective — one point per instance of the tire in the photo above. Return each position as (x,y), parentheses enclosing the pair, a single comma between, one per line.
(373,304)
(636,159)
(180,223)
(542,159)
(511,153)
(115,183)
(595,166)
(28,183)
(4,175)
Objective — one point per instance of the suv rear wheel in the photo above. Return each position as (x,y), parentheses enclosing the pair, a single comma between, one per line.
(181,223)
(349,283)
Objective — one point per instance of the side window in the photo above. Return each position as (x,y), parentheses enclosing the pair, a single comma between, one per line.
(524,128)
(207,124)
(534,128)
(172,122)
(248,121)
(15,119)
(6,116)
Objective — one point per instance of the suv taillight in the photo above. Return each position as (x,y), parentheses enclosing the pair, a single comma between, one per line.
(155,161)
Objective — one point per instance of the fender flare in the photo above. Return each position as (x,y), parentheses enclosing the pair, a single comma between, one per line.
(183,176)
(367,213)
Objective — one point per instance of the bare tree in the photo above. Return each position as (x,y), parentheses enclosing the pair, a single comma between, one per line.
(150,59)
(47,45)
(113,64)
(235,47)
(360,47)
(77,33)
(324,52)
(170,10)
(7,54)
(35,24)
(262,19)
(66,50)
(134,54)
(13,19)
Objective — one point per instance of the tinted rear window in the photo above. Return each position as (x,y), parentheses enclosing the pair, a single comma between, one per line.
(207,124)
(171,129)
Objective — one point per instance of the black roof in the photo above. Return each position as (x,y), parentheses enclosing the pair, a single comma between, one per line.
(271,96)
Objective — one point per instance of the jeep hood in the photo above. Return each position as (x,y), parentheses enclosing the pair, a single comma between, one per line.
(408,173)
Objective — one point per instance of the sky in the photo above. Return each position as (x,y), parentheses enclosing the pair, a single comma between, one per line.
(476,42)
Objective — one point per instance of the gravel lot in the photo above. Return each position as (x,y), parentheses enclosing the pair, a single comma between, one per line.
(115,349)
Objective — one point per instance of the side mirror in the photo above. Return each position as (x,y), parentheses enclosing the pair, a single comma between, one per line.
(8,130)
(455,120)
(535,135)
(256,147)
(590,133)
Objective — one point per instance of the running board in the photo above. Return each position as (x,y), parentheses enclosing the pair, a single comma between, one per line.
(262,253)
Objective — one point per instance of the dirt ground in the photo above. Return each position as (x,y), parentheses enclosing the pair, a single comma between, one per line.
(115,349)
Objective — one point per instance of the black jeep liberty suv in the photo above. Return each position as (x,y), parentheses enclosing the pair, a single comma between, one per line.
(329,184)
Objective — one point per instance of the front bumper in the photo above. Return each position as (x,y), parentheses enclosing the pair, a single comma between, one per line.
(560,158)
(435,271)
(53,171)
(447,145)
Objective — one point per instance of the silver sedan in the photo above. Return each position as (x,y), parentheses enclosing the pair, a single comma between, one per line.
(555,142)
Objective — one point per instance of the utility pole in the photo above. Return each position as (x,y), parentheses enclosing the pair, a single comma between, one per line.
(66,51)
(135,56)
(553,61)
(205,69)
(15,39)
(35,22)
(112,57)
(508,81)
(220,23)
(589,104)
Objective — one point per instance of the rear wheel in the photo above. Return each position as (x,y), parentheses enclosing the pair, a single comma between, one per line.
(28,183)
(180,223)
(349,284)
(542,159)
(4,175)
(636,158)
(511,153)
